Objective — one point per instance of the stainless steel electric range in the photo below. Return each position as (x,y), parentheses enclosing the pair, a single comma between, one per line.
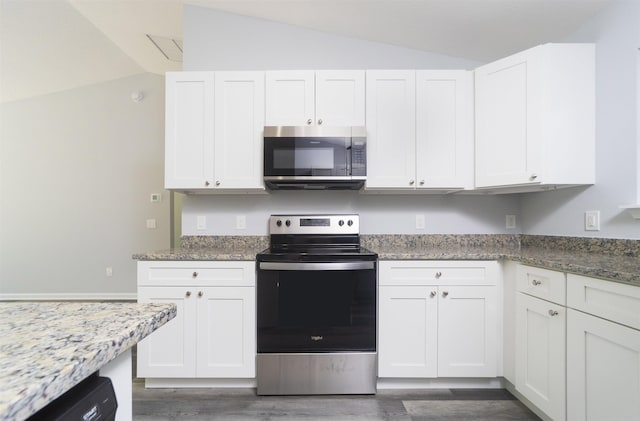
(316,308)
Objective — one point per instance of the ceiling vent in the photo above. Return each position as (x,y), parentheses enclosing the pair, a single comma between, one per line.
(169,47)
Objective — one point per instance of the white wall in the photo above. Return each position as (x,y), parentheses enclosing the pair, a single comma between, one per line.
(77,170)
(216,40)
(617,36)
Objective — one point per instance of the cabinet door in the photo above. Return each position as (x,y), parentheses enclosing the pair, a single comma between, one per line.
(290,98)
(340,98)
(508,104)
(391,129)
(408,332)
(170,351)
(444,129)
(540,354)
(189,130)
(239,121)
(467,331)
(603,369)
(226,344)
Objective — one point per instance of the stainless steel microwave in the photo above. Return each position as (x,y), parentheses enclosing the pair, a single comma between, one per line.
(315,157)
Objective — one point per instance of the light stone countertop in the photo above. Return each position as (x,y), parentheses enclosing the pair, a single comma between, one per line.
(46,348)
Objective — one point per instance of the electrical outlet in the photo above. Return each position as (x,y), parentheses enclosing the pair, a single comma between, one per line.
(156,197)
(151,223)
(201,222)
(109,271)
(420,221)
(592,221)
(241,222)
(510,222)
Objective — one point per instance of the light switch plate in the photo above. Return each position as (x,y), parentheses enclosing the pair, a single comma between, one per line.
(420,221)
(592,221)
(201,222)
(510,222)
(241,222)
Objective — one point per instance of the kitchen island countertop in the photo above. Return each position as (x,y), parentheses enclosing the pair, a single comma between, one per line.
(47,348)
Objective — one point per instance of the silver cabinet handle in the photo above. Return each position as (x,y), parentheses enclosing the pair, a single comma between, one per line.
(553,313)
(200,294)
(309,121)
(533,176)
(187,294)
(217,183)
(206,183)
(444,293)
(432,294)
(535,282)
(422,182)
(412,182)
(319,121)
(194,275)
(438,275)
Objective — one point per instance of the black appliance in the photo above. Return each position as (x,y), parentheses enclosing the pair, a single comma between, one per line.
(315,157)
(316,308)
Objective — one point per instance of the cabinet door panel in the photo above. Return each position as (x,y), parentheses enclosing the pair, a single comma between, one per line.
(340,98)
(290,98)
(408,332)
(391,132)
(603,369)
(189,129)
(540,354)
(467,332)
(226,332)
(169,351)
(444,129)
(239,121)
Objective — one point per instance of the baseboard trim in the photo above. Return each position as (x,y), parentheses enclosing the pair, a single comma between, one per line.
(68,296)
(440,383)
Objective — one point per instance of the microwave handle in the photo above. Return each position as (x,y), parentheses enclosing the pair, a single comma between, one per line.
(349,147)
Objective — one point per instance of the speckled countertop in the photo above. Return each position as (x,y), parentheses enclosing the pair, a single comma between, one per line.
(610,259)
(48,347)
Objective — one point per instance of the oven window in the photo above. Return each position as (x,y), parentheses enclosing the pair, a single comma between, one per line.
(316,311)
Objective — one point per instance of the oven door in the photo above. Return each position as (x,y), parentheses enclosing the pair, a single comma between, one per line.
(316,307)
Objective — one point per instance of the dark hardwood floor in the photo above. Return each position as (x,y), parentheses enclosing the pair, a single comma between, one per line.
(410,405)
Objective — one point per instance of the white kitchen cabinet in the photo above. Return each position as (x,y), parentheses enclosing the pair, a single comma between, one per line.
(328,97)
(437,319)
(420,130)
(214,123)
(535,124)
(540,344)
(444,129)
(603,350)
(213,334)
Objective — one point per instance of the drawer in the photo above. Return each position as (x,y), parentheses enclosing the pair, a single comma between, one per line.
(419,272)
(613,301)
(547,284)
(196,273)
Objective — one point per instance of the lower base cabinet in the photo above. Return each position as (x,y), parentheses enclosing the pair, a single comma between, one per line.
(437,319)
(213,333)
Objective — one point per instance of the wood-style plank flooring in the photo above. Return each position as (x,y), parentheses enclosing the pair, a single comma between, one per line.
(243,404)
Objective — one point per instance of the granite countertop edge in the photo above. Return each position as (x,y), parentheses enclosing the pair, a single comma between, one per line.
(28,395)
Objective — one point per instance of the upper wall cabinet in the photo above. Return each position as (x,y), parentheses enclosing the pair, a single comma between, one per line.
(214,123)
(535,119)
(328,97)
(420,130)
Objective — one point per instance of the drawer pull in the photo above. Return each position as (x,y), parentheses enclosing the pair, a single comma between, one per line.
(432,294)
(553,313)
(535,282)
(200,294)
(187,294)
(438,275)
(194,275)
(444,294)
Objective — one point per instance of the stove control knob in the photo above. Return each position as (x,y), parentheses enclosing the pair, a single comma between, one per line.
(288,223)
(350,222)
(341,222)
(279,223)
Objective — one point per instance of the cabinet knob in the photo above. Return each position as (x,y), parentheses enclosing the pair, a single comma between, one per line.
(444,293)
(412,182)
(533,176)
(432,294)
(187,294)
(309,121)
(553,313)
(319,121)
(438,275)
(535,282)
(200,294)
(194,275)
(217,183)
(206,184)
(422,182)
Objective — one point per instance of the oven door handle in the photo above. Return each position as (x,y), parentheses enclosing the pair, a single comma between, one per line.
(317,266)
